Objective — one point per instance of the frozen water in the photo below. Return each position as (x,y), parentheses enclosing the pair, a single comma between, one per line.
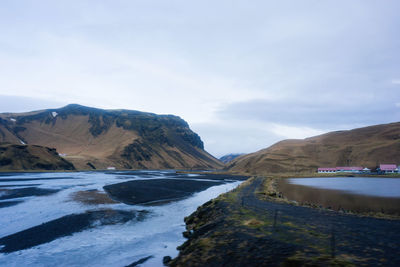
(157,235)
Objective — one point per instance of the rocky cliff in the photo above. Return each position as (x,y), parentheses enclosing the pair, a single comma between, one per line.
(94,138)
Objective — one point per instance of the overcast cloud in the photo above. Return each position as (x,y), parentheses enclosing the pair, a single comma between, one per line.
(244,74)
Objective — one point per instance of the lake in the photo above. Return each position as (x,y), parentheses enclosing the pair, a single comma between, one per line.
(380,187)
(359,194)
(67,219)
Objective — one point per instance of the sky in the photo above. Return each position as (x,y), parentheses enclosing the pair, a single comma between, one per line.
(243,74)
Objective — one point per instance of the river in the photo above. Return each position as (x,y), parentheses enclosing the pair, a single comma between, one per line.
(66,219)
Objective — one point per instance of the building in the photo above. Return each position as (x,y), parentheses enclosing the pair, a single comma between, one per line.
(349,169)
(388,168)
(366,170)
(383,168)
(326,170)
(341,169)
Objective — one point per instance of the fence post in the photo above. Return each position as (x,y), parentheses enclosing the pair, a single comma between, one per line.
(275,217)
(333,242)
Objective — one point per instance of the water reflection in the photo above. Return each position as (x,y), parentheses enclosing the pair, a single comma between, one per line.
(341,193)
(380,187)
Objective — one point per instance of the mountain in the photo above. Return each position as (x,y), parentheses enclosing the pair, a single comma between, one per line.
(368,146)
(31,157)
(95,138)
(229,157)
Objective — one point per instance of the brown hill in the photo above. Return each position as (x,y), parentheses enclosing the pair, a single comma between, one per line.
(366,146)
(31,157)
(229,157)
(97,138)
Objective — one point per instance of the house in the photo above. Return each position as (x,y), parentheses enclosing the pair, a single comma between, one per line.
(110,168)
(349,169)
(388,168)
(326,170)
(366,170)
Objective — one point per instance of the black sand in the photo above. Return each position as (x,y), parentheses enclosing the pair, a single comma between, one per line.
(183,175)
(156,190)
(225,177)
(9,203)
(143,260)
(64,226)
(33,179)
(26,192)
(18,185)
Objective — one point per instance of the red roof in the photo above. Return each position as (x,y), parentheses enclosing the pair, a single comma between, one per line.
(349,168)
(388,167)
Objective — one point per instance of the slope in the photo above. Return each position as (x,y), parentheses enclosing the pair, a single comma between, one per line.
(368,146)
(97,138)
(229,157)
(31,157)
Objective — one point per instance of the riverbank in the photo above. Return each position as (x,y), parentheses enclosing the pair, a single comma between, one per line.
(252,226)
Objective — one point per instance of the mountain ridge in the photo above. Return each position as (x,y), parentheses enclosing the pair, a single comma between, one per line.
(98,138)
(366,146)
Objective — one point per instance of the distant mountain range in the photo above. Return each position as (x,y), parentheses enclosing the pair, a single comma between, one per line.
(229,157)
(92,138)
(367,147)
(89,138)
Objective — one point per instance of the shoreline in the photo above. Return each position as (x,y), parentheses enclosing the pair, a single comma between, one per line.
(239,228)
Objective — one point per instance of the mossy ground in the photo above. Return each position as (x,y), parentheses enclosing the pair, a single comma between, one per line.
(239,229)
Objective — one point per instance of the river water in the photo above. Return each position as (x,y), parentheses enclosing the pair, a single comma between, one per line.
(358,194)
(31,199)
(380,187)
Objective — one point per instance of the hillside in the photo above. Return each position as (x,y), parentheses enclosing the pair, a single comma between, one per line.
(31,157)
(366,146)
(96,138)
(229,157)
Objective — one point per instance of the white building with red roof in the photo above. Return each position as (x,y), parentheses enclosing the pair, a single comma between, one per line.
(383,168)
(388,168)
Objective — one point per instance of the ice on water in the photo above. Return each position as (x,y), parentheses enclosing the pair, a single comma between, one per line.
(157,235)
